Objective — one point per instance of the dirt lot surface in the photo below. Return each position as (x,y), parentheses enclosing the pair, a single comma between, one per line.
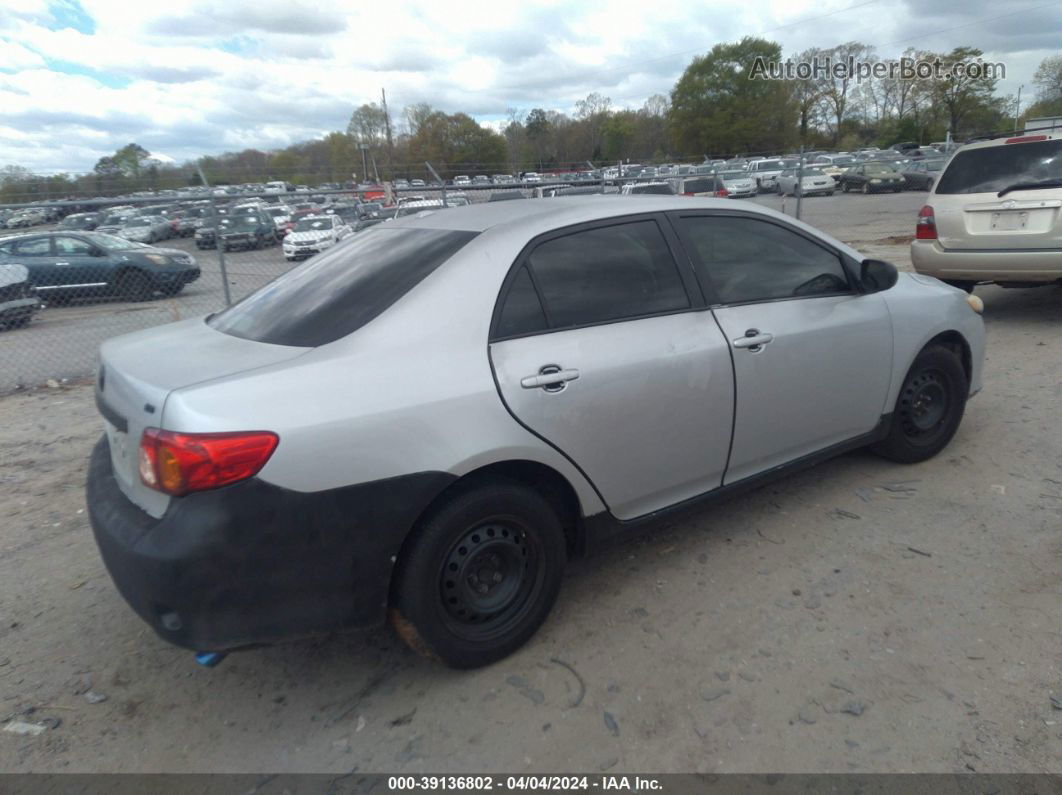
(860,616)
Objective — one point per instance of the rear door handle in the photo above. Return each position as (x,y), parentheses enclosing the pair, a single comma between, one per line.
(754,340)
(551,378)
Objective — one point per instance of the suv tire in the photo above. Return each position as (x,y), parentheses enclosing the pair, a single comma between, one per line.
(479,574)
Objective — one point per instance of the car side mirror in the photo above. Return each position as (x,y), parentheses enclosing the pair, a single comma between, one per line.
(877,275)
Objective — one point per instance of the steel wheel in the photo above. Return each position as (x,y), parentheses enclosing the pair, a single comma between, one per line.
(929,407)
(487,579)
(923,405)
(478,576)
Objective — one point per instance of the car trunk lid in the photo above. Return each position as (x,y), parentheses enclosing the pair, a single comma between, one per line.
(138,371)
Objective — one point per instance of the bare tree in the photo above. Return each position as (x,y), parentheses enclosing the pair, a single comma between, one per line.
(835,88)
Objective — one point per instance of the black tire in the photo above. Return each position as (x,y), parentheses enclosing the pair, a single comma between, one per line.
(829,193)
(496,529)
(135,286)
(844,187)
(929,408)
(173,289)
(962,285)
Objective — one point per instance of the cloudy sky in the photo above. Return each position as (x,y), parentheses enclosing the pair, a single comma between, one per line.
(79,78)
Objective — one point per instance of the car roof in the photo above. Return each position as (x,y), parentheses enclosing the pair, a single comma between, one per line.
(562,211)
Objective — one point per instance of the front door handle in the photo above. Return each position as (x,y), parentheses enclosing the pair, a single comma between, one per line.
(551,378)
(754,340)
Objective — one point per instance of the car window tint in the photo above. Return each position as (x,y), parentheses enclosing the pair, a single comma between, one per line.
(337,292)
(746,259)
(38,247)
(607,273)
(522,311)
(72,246)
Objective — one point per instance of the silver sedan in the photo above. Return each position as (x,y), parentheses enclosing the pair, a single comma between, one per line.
(426,421)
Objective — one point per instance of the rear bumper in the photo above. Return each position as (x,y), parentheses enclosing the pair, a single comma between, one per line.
(1028,265)
(254,563)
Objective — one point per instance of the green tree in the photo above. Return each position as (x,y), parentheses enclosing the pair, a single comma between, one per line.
(960,97)
(716,106)
(1048,79)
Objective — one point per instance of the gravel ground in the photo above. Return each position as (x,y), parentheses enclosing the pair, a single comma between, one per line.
(859,616)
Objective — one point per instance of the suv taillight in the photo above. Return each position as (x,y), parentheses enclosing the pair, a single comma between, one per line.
(926,228)
(721,193)
(179,463)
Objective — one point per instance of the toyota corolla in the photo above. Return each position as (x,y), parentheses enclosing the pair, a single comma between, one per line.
(426,421)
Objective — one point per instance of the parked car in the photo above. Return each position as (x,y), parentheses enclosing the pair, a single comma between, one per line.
(114,222)
(481,179)
(871,178)
(313,234)
(248,230)
(993,215)
(812,182)
(921,174)
(145,229)
(84,222)
(462,180)
(416,183)
(655,187)
(765,172)
(18,299)
(532,177)
(701,186)
(25,218)
(418,206)
(738,183)
(65,265)
(443,484)
(501,179)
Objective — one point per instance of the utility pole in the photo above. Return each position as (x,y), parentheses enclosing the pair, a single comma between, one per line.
(800,181)
(1017,107)
(390,141)
(364,159)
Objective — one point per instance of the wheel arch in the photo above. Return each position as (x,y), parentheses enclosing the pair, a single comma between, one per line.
(957,344)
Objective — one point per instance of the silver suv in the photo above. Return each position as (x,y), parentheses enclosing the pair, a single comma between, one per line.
(428,419)
(995,215)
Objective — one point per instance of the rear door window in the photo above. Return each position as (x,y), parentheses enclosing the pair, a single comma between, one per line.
(335,293)
(994,168)
(607,273)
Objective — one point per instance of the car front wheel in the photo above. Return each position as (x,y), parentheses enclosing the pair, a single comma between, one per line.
(929,407)
(479,574)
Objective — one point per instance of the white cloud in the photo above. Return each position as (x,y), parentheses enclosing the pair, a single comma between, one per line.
(191,79)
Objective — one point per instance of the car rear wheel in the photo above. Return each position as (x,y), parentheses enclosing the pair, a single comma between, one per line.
(135,286)
(929,407)
(479,575)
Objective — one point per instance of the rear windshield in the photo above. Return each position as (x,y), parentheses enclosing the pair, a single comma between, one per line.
(994,168)
(698,186)
(656,189)
(337,292)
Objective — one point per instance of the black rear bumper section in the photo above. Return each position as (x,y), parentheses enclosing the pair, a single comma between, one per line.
(255,563)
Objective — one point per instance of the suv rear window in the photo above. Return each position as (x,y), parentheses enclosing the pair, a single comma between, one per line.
(994,168)
(338,292)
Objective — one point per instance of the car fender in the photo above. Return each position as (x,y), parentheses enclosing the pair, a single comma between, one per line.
(923,308)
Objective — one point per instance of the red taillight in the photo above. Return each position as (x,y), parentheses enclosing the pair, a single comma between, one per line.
(926,228)
(689,194)
(722,193)
(1023,139)
(179,463)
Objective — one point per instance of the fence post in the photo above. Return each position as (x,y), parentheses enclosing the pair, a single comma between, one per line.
(800,182)
(440,180)
(217,237)
(219,248)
